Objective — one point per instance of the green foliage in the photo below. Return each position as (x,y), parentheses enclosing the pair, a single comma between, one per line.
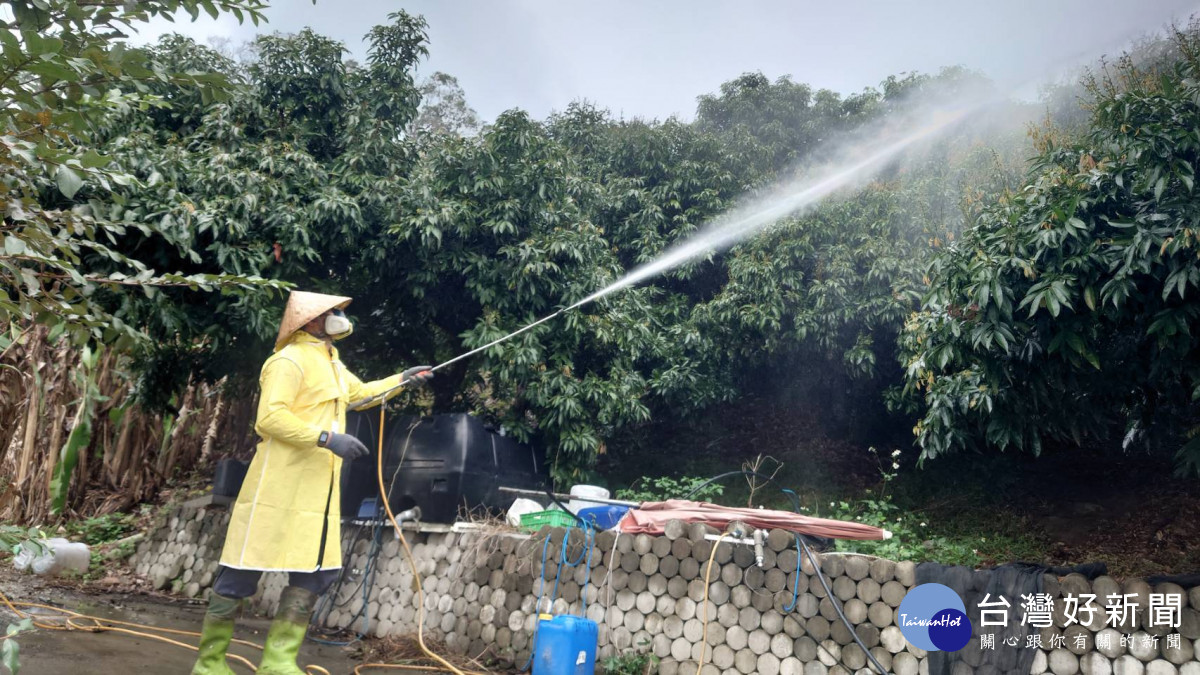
(877,508)
(291,175)
(507,226)
(13,538)
(102,529)
(62,73)
(631,662)
(774,124)
(81,428)
(664,488)
(907,533)
(1085,277)
(970,537)
(10,651)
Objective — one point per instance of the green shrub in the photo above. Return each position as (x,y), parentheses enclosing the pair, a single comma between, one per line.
(631,662)
(102,529)
(665,487)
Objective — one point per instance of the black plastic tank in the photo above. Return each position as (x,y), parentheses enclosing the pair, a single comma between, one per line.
(229,476)
(443,463)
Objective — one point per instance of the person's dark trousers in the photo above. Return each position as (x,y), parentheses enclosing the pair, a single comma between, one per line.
(235,583)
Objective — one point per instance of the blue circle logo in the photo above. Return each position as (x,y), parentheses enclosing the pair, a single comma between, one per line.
(934,618)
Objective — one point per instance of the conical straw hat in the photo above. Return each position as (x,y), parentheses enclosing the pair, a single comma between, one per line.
(303,307)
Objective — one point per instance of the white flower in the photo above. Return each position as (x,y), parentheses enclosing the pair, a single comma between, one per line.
(922,524)
(896,453)
(895,465)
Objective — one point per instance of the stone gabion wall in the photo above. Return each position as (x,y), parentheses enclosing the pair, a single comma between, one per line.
(648,592)
(181,550)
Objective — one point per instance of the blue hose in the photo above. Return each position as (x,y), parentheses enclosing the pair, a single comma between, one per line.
(796,583)
(585,557)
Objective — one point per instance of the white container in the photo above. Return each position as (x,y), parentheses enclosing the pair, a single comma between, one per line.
(58,556)
(520,507)
(580,494)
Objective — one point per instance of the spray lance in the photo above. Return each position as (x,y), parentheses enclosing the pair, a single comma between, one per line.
(385,394)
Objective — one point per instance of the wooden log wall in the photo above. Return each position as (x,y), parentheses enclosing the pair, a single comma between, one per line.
(482,594)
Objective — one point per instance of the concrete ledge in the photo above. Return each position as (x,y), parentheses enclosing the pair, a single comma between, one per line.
(208,500)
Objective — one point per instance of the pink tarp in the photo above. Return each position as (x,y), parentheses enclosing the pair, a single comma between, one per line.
(652,517)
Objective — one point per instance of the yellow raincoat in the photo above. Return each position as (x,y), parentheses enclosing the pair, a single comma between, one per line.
(292,490)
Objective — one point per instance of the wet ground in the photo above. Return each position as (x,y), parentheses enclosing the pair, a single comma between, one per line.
(48,652)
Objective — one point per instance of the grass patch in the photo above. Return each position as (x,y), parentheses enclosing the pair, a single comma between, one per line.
(102,529)
(101,534)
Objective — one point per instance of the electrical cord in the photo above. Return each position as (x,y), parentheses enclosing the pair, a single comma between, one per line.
(537,607)
(365,584)
(832,598)
(607,583)
(367,580)
(579,522)
(328,602)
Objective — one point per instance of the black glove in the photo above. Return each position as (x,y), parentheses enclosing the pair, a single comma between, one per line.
(346,446)
(418,374)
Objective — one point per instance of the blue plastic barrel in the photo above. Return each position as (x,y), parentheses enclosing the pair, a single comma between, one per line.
(603,517)
(566,645)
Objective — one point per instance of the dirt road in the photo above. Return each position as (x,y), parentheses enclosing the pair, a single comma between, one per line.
(47,652)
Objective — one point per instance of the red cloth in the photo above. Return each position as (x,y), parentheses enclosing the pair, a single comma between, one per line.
(652,517)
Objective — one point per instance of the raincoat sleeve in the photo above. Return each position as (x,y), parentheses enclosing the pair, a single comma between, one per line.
(360,390)
(281,380)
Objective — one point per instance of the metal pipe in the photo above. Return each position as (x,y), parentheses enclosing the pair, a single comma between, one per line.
(542,493)
(382,396)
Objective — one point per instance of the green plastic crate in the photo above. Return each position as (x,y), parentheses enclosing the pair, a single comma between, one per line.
(553,518)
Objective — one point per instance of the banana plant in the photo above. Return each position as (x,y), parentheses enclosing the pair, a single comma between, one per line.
(81,427)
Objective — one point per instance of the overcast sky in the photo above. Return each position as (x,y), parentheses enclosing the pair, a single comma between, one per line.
(652,59)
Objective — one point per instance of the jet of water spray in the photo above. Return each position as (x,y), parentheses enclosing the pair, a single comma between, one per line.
(746,221)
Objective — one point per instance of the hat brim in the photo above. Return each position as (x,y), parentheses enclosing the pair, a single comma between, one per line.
(302,307)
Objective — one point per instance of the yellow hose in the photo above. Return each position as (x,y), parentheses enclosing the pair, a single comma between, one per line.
(446,666)
(70,621)
(707,579)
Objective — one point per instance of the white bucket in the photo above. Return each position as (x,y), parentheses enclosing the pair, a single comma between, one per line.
(580,494)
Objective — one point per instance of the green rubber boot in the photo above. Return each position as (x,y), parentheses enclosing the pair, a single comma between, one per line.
(215,636)
(287,632)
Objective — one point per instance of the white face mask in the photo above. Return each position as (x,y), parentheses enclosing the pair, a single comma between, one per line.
(337,326)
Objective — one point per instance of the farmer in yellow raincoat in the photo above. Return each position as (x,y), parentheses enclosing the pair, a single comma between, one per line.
(287,515)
